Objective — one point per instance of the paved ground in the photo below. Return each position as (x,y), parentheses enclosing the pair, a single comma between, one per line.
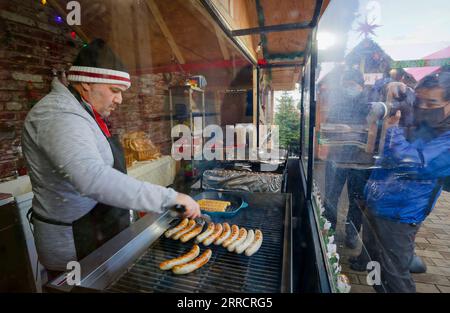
(432,244)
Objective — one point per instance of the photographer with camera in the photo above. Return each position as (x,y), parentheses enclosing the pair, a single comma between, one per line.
(408,179)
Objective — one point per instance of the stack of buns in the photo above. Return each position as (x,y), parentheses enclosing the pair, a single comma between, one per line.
(139,147)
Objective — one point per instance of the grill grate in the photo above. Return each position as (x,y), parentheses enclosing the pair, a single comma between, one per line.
(225,272)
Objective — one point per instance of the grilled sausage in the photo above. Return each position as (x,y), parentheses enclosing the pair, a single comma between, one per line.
(233,236)
(185,230)
(169,264)
(241,238)
(169,233)
(209,230)
(225,234)
(256,244)
(248,241)
(191,234)
(217,231)
(193,265)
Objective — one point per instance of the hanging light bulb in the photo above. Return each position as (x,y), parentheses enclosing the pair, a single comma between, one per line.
(58,19)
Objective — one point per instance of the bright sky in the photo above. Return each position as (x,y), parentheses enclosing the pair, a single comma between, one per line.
(410,29)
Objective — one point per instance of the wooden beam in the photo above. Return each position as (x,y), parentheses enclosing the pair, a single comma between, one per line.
(63,13)
(165,30)
(207,22)
(199,7)
(194,66)
(223,47)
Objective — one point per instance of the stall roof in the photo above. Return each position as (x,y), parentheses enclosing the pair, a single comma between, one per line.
(274,33)
(182,35)
(158,36)
(421,72)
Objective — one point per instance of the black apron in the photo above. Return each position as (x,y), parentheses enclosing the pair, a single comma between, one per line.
(103,221)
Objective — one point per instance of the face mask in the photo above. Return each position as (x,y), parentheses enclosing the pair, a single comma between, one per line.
(432,117)
(352,92)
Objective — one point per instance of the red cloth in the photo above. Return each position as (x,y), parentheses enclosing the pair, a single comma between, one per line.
(101,123)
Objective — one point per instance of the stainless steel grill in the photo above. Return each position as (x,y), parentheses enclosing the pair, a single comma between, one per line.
(225,272)
(130,261)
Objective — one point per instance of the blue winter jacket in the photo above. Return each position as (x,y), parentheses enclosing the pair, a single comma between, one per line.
(405,187)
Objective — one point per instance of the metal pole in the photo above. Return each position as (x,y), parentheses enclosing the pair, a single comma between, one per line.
(257,107)
(282,65)
(312,113)
(302,115)
(270,29)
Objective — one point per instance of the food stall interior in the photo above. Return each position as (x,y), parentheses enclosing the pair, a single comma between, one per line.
(227,58)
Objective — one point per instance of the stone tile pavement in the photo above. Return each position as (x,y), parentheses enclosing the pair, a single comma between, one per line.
(432,244)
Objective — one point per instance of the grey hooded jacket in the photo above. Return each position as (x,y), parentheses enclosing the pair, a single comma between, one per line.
(70,167)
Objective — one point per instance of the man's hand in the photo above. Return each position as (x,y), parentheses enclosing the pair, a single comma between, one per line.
(192,207)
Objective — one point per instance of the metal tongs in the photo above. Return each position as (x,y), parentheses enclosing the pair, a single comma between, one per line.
(180,209)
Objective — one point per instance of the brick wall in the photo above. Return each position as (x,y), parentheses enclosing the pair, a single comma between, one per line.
(31,45)
(145,107)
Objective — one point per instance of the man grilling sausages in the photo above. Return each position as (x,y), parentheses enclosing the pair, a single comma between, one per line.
(82,194)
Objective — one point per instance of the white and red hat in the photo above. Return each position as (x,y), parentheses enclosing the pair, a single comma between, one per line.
(97,63)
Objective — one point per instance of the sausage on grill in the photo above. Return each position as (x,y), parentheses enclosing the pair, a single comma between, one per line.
(233,236)
(209,230)
(191,234)
(225,234)
(248,241)
(185,230)
(177,228)
(193,265)
(167,265)
(241,238)
(256,244)
(217,231)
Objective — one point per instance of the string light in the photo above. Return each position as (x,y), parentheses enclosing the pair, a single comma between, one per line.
(58,19)
(73,35)
(44,2)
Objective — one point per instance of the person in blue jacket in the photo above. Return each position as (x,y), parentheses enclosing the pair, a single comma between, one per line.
(408,180)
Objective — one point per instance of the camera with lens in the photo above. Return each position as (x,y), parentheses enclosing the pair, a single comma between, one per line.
(403,103)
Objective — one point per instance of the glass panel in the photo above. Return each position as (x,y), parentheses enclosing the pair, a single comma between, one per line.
(382,142)
(181,67)
(306,99)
